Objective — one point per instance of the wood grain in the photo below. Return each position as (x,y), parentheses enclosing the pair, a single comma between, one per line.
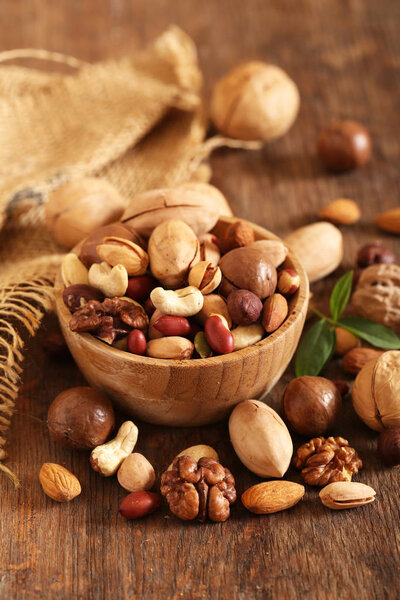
(345,57)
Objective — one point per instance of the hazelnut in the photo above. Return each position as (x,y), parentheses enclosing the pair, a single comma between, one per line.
(79,207)
(374,254)
(375,392)
(246,268)
(344,145)
(136,473)
(255,101)
(389,446)
(238,234)
(88,253)
(244,307)
(77,295)
(311,405)
(288,282)
(80,418)
(345,341)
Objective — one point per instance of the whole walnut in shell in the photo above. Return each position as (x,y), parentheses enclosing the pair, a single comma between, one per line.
(375,392)
(79,207)
(377,295)
(255,101)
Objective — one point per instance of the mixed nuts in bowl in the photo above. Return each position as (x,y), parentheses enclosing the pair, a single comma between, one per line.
(243,333)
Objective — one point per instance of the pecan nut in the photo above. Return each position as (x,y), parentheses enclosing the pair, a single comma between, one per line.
(325,460)
(108,319)
(77,295)
(198,488)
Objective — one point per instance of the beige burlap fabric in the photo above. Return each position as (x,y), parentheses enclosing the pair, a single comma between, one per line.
(139,122)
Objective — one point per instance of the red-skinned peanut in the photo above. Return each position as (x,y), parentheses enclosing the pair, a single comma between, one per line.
(140,287)
(169,325)
(139,504)
(218,335)
(136,342)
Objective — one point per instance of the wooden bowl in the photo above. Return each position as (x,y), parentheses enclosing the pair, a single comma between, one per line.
(189,392)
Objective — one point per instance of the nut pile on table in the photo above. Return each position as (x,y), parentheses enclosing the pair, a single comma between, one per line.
(182,293)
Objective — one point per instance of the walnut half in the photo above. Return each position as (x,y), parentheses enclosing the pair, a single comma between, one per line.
(198,488)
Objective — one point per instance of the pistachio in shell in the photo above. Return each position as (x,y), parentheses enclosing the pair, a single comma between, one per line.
(88,253)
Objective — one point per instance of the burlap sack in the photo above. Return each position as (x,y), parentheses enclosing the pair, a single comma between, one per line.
(138,122)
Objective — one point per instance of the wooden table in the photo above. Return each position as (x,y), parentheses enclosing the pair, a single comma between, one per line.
(345,57)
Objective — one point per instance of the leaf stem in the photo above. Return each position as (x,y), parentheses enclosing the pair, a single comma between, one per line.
(322,316)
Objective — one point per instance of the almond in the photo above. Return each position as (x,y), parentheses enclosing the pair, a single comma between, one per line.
(274,312)
(59,483)
(346,494)
(389,220)
(272,496)
(355,359)
(345,341)
(341,212)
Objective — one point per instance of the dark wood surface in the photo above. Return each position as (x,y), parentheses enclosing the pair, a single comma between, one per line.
(345,57)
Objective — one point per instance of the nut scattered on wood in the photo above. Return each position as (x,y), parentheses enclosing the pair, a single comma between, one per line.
(341,212)
(345,341)
(346,494)
(325,460)
(389,220)
(389,446)
(197,452)
(197,489)
(377,295)
(58,483)
(319,246)
(272,496)
(374,254)
(344,145)
(354,360)
(255,101)
(107,458)
(136,473)
(375,392)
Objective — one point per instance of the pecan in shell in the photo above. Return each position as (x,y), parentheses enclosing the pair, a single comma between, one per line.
(198,488)
(325,460)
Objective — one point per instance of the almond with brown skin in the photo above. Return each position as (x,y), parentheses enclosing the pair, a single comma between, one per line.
(355,359)
(272,496)
(58,483)
(274,312)
(389,220)
(341,212)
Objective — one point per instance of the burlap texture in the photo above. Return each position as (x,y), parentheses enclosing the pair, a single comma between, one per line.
(138,122)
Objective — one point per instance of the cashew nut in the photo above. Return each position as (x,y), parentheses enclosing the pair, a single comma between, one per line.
(247,335)
(185,302)
(73,271)
(107,458)
(112,281)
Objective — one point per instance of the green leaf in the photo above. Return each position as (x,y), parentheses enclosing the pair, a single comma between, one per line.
(315,349)
(341,295)
(375,334)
